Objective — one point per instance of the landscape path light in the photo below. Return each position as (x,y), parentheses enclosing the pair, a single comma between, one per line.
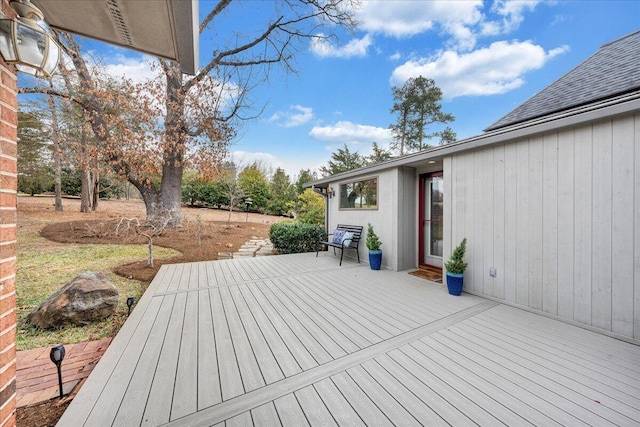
(248,202)
(130,302)
(26,42)
(57,355)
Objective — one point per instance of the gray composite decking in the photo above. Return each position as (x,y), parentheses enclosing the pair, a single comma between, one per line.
(296,340)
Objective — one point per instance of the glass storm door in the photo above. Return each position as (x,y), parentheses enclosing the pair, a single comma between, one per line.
(431,215)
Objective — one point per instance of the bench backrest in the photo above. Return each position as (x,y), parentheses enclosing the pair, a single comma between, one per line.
(355,229)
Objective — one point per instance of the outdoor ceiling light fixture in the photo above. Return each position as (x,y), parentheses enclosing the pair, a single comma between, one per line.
(56,355)
(330,192)
(26,43)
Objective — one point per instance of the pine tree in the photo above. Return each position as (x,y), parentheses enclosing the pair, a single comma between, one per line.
(417,105)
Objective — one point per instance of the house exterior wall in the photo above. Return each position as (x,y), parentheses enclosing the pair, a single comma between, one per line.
(8,231)
(558,215)
(384,219)
(406,218)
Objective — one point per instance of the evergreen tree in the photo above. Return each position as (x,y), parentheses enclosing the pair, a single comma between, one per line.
(417,105)
(305,175)
(34,157)
(342,161)
(254,184)
(282,193)
(378,155)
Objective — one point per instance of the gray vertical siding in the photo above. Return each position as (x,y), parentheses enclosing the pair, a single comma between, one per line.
(558,215)
(407,219)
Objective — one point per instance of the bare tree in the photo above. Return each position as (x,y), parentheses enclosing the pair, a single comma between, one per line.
(147,229)
(199,111)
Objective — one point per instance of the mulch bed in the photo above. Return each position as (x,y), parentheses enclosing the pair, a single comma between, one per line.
(195,243)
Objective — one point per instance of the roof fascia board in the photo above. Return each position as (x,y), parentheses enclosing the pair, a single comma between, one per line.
(187,22)
(523,130)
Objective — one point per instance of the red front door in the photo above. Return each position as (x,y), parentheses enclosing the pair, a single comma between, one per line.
(431,219)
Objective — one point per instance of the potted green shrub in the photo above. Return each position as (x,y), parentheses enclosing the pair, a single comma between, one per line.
(373,244)
(455,267)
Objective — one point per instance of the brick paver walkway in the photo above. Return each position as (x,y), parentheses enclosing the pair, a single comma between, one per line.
(37,377)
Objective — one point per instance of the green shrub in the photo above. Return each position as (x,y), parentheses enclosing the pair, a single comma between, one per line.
(310,207)
(295,237)
(456,264)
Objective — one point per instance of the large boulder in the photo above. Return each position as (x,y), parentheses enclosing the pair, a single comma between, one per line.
(89,297)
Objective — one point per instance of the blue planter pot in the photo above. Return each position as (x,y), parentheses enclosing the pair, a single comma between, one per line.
(375,259)
(454,283)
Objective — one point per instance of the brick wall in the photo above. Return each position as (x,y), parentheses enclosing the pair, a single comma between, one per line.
(8,230)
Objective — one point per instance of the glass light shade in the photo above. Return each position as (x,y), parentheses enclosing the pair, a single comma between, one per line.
(28,47)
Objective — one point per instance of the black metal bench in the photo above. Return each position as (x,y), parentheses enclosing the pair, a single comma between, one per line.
(355,241)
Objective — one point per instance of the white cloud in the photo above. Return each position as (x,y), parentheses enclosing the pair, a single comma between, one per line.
(496,69)
(137,70)
(296,116)
(395,57)
(462,21)
(291,164)
(513,12)
(350,133)
(355,48)
(408,18)
(247,158)
(302,116)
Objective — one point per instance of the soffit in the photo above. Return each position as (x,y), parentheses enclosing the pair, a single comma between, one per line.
(164,28)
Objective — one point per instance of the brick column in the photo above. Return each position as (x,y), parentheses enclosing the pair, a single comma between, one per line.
(8,231)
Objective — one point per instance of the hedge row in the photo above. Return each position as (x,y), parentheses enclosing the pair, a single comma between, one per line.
(295,237)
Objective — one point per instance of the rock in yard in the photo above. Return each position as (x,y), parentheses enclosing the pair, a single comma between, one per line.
(89,297)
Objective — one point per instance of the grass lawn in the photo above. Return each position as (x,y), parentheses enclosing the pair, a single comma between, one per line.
(44,266)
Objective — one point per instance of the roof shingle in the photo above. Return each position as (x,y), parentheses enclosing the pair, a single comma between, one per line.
(613,70)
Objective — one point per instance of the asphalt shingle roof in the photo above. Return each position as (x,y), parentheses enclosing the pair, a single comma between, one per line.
(613,70)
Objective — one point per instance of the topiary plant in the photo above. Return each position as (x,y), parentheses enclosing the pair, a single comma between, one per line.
(373,242)
(456,264)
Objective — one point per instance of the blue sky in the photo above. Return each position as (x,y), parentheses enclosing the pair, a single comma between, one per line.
(487,57)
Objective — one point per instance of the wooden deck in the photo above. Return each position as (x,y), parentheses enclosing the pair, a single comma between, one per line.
(296,340)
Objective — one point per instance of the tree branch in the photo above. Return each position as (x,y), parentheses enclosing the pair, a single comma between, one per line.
(216,10)
(52,92)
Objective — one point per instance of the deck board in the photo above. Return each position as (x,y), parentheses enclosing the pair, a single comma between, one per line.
(294,340)
(329,341)
(229,371)
(132,407)
(286,360)
(185,399)
(298,328)
(265,415)
(290,412)
(341,411)
(330,317)
(158,408)
(597,378)
(209,388)
(267,362)
(547,382)
(366,409)
(314,409)
(251,374)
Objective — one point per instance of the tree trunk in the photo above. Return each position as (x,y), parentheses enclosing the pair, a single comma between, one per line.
(57,153)
(150,257)
(96,192)
(86,191)
(175,145)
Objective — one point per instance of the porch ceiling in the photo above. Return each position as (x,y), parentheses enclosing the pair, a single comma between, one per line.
(297,340)
(164,28)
